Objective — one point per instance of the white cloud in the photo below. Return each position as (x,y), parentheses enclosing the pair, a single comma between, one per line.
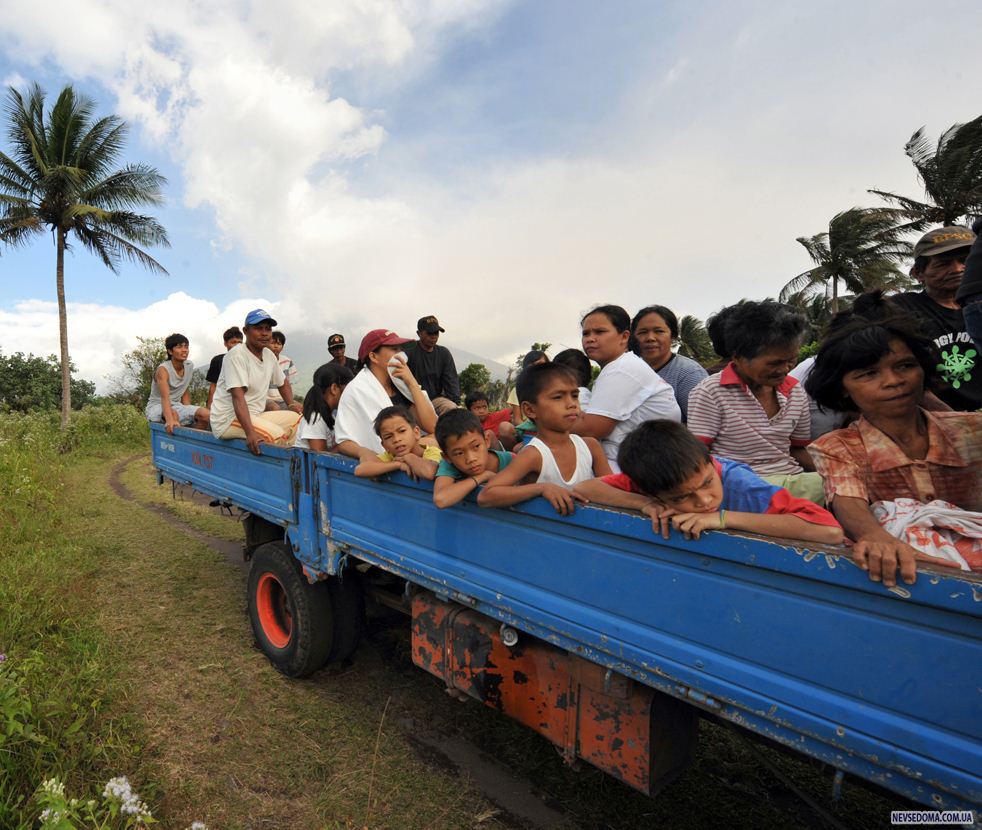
(739,135)
(100,334)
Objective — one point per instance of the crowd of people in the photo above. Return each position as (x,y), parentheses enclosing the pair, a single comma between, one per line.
(876,439)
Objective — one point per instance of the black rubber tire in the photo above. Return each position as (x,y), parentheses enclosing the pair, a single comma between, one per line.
(348,600)
(293,621)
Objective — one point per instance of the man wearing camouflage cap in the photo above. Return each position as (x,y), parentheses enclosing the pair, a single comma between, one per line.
(939,264)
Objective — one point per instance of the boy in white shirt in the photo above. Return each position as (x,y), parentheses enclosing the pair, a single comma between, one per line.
(240,394)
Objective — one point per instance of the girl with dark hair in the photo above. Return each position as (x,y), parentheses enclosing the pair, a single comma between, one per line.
(753,411)
(628,391)
(897,449)
(316,429)
(656,329)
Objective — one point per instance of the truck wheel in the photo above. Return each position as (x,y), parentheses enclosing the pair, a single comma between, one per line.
(293,620)
(348,601)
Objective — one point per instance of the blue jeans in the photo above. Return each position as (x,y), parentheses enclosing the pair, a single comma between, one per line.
(972,313)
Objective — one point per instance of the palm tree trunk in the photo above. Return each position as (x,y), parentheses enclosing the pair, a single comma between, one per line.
(835,295)
(66,373)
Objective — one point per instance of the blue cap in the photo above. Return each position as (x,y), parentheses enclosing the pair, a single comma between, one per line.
(257,315)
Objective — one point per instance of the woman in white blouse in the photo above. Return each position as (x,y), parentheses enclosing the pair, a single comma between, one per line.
(628,391)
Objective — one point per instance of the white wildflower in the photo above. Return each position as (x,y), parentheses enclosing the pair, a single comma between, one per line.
(53,786)
(119,789)
(198,825)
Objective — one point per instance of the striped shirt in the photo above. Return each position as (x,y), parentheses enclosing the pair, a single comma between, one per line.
(725,415)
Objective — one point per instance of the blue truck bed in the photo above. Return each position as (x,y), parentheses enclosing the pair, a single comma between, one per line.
(795,645)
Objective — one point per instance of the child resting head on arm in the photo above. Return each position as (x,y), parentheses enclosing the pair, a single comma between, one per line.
(668,474)
(554,461)
(399,433)
(468,459)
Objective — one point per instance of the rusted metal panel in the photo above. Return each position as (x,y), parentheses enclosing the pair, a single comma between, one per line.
(624,728)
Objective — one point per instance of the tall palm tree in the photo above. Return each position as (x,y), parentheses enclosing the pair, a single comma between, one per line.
(61,176)
(860,249)
(694,341)
(951,174)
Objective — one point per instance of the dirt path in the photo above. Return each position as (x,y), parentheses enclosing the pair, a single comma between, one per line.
(374,744)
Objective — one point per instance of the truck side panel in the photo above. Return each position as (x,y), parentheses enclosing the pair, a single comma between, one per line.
(799,646)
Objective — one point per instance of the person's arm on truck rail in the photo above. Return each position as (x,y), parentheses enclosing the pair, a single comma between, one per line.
(242,415)
(163,385)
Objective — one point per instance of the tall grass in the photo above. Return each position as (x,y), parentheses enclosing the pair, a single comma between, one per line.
(53,676)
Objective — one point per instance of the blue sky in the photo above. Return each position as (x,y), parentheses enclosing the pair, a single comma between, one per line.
(502,165)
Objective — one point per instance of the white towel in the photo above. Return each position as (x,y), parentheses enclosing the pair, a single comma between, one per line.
(936,528)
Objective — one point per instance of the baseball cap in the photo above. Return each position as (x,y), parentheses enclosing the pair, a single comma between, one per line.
(257,315)
(379,337)
(335,340)
(942,240)
(428,323)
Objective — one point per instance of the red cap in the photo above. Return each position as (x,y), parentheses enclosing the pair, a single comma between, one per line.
(379,337)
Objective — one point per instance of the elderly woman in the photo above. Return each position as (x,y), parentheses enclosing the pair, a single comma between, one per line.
(627,391)
(753,411)
(897,449)
(384,380)
(655,330)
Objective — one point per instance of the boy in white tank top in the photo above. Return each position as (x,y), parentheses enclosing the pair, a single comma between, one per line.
(555,460)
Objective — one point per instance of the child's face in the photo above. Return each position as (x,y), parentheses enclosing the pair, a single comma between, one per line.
(275,347)
(468,452)
(398,436)
(480,409)
(557,407)
(701,492)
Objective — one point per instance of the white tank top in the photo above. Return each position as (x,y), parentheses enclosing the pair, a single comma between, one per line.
(550,470)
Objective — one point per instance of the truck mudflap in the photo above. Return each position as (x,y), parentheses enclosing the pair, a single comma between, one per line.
(630,731)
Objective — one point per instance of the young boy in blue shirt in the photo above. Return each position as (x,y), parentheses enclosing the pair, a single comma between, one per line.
(468,460)
(668,474)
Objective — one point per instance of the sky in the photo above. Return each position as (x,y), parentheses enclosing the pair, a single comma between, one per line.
(505,166)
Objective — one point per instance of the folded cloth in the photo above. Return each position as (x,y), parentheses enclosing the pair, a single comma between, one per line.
(936,528)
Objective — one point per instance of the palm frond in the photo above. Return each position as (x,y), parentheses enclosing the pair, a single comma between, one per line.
(133,186)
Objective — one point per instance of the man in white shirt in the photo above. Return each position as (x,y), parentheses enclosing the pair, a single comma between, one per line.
(240,394)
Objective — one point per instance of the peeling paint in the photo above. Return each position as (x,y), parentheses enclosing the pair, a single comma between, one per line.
(900,592)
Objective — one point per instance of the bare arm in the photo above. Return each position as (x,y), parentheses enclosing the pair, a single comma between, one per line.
(504,489)
(595,426)
(163,386)
(783,524)
(424,411)
(317,444)
(598,492)
(800,454)
(876,551)
(601,464)
(353,449)
(243,416)
(286,391)
(372,467)
(448,491)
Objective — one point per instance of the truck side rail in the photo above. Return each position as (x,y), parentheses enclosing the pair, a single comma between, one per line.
(795,644)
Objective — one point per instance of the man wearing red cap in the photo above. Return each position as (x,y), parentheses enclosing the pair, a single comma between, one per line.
(434,366)
(385,380)
(939,265)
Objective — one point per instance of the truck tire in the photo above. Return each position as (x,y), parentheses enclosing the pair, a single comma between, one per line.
(293,621)
(348,601)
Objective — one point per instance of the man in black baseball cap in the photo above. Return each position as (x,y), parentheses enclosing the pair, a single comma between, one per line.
(335,345)
(433,366)
(939,265)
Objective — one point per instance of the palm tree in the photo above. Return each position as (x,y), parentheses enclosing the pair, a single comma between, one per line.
(951,174)
(694,340)
(60,176)
(860,249)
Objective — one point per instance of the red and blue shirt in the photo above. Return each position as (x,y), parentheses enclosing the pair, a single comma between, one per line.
(746,492)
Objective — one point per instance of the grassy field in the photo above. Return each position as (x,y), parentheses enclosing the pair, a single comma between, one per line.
(127,619)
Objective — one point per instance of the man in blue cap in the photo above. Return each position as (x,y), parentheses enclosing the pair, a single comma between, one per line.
(240,394)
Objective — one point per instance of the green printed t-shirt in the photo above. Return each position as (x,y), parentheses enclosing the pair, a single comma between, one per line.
(448,469)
